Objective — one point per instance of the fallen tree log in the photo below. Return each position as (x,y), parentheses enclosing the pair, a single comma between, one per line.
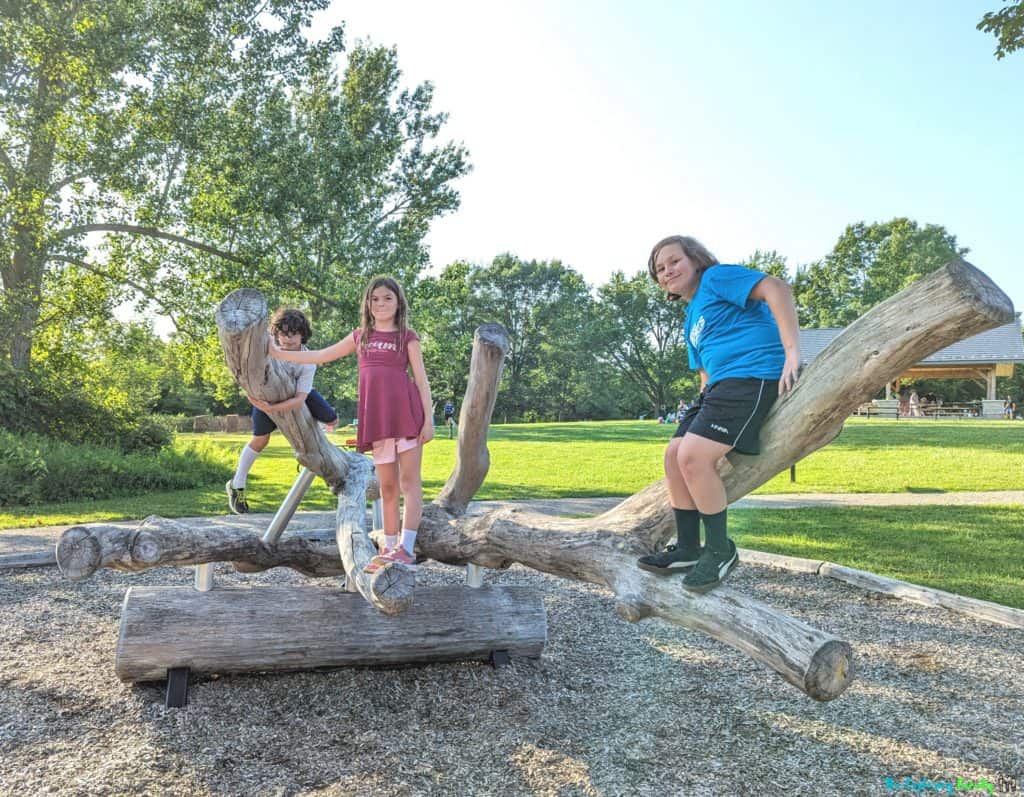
(956,302)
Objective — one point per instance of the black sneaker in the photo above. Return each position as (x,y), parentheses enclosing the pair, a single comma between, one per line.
(668,561)
(711,569)
(236,499)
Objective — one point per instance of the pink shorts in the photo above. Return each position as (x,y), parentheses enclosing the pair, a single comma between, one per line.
(387,450)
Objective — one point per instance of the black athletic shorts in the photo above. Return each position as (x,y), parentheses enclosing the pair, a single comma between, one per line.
(731,412)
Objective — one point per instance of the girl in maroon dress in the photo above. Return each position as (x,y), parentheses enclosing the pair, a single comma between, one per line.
(395,410)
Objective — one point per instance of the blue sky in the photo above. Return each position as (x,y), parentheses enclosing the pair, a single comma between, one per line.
(596,128)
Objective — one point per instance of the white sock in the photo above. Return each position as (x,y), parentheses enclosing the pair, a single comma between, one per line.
(245,460)
(391,541)
(408,540)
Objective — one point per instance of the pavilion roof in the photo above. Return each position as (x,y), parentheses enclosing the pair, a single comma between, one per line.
(1000,345)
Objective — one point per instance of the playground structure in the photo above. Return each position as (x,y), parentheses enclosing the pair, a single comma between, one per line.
(188,629)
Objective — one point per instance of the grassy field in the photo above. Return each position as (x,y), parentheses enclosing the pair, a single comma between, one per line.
(974,551)
(977,551)
(615,458)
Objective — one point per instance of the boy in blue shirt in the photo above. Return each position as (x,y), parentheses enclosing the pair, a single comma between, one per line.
(742,336)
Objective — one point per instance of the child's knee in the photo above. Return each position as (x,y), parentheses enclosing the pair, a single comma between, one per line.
(411,485)
(259,442)
(693,463)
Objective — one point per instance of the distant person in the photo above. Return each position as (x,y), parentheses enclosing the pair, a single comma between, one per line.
(290,329)
(914,403)
(1008,409)
(449,416)
(742,337)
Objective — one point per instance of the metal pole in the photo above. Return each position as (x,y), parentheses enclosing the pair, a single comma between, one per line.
(378,514)
(474,575)
(288,506)
(204,577)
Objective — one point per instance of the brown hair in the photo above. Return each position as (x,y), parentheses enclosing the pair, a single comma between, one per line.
(699,255)
(288,319)
(401,315)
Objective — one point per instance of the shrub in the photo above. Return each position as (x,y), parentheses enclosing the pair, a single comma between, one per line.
(42,404)
(36,469)
(22,470)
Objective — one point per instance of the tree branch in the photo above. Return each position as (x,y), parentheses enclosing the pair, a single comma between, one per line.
(147,292)
(152,232)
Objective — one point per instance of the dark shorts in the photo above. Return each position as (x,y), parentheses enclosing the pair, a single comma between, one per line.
(318,408)
(731,412)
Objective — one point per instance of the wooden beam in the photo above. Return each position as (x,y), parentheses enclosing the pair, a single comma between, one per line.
(297,627)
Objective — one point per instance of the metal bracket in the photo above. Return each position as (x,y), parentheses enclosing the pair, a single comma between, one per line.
(474,575)
(500,658)
(288,506)
(204,577)
(177,687)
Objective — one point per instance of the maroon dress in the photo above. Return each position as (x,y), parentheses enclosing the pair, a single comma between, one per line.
(389,403)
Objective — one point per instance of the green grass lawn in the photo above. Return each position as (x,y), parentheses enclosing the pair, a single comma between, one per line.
(614,458)
(974,551)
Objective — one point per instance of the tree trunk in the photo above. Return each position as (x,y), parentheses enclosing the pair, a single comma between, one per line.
(953,303)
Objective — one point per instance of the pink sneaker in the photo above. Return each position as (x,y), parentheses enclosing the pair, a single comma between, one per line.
(379,560)
(400,556)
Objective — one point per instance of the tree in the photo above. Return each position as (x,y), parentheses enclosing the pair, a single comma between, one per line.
(210,144)
(869,263)
(542,305)
(769,262)
(1007,25)
(643,336)
(444,315)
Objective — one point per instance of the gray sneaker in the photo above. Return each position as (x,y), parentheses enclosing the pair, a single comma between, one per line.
(669,561)
(236,499)
(711,569)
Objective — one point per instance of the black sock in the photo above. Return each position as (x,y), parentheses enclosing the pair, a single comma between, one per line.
(687,530)
(714,532)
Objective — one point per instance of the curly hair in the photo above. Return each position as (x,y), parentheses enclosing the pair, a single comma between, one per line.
(289,320)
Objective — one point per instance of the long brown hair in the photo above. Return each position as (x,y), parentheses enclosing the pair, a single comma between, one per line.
(401,315)
(699,255)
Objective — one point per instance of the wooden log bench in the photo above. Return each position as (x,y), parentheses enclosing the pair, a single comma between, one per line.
(299,627)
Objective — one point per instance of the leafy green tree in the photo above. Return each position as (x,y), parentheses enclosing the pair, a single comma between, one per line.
(208,145)
(443,312)
(869,263)
(769,262)
(1007,25)
(643,337)
(541,305)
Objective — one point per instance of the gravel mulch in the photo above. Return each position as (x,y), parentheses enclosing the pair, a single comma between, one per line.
(609,709)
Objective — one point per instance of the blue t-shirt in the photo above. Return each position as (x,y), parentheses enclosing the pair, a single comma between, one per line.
(729,335)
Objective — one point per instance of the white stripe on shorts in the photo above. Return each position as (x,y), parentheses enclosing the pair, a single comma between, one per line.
(752,414)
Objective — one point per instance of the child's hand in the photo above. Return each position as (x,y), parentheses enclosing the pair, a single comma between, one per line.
(790,372)
(272,348)
(427,432)
(259,404)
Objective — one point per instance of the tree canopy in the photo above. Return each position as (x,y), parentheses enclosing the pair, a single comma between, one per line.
(1007,25)
(167,152)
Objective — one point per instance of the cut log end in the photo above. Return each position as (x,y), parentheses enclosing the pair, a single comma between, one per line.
(986,295)
(392,587)
(241,309)
(78,553)
(830,671)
